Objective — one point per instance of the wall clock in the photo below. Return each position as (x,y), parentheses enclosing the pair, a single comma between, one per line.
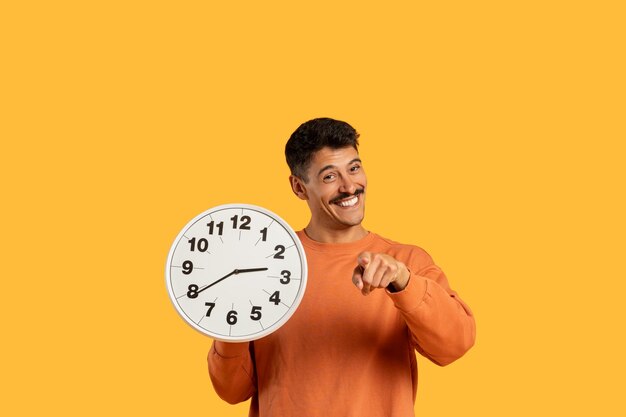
(236,272)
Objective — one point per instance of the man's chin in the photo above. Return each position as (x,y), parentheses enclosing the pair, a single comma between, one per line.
(350,221)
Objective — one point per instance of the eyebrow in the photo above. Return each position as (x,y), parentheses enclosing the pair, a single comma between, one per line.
(327,167)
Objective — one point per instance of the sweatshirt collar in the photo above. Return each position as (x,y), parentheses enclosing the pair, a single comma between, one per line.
(348,247)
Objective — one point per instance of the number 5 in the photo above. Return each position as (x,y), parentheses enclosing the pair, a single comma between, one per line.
(255,314)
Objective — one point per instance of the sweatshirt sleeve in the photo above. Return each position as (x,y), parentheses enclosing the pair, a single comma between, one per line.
(231,369)
(442,326)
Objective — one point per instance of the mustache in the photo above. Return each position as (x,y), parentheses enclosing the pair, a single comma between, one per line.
(347,195)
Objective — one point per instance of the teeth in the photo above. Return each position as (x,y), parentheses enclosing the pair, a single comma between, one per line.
(348,203)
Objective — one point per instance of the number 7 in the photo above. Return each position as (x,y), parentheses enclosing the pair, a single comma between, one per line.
(211,306)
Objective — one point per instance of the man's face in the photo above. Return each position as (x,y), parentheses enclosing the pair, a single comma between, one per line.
(335,191)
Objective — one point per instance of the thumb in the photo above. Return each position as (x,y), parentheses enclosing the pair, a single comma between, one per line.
(357,277)
(364,259)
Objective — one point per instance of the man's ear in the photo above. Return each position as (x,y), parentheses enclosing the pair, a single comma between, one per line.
(298,188)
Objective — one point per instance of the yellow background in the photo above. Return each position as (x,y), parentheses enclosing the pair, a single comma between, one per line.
(492,134)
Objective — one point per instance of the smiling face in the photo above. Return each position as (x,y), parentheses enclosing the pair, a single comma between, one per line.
(335,190)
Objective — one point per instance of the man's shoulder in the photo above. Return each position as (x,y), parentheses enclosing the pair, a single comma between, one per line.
(398,249)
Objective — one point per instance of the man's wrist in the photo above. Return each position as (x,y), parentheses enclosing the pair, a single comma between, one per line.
(401,282)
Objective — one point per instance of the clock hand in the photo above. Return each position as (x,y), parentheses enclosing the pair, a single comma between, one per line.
(239,271)
(234,272)
(215,282)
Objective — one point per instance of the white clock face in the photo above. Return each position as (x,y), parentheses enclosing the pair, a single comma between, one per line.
(236,272)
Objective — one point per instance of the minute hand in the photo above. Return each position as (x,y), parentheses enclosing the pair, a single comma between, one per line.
(234,272)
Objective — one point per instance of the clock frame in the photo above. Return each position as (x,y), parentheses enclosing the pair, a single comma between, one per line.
(236,272)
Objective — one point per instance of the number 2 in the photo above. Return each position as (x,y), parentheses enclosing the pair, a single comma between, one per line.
(280,250)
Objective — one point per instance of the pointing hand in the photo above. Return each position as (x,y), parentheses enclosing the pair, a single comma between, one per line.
(379,270)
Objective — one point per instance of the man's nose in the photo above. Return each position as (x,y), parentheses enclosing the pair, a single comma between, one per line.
(347,185)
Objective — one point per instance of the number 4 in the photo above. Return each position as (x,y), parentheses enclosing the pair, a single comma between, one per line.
(275,298)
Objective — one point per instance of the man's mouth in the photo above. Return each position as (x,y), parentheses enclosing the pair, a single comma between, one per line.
(347,200)
(348,203)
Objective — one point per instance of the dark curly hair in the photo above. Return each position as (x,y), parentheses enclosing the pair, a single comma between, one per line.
(314,135)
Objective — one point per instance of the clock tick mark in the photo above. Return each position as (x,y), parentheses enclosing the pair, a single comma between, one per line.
(180,266)
(277,253)
(281,277)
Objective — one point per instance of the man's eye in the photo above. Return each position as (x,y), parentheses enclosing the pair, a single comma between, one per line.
(329,177)
(355,168)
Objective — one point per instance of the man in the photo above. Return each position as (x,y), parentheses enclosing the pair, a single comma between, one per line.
(369,302)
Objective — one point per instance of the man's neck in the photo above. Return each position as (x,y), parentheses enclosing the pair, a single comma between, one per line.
(344,235)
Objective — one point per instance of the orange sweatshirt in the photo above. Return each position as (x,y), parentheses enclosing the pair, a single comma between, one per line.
(344,354)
